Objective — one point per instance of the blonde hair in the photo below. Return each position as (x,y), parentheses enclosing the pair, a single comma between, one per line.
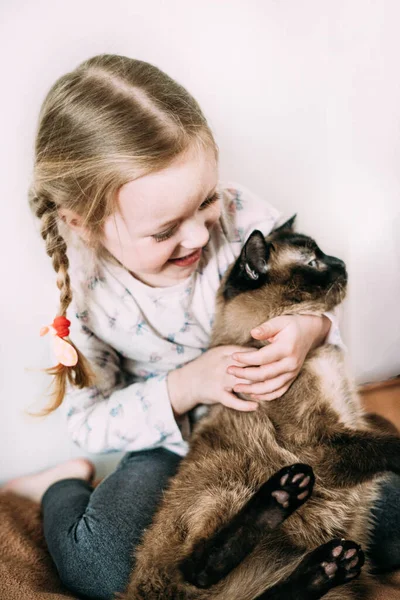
(111,120)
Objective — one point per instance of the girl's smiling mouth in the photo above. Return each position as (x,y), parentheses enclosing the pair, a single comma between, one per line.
(187,260)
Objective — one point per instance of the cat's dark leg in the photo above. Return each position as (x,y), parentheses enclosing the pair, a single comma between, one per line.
(380,424)
(355,457)
(277,499)
(330,565)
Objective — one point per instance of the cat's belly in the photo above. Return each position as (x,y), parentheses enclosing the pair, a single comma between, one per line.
(195,506)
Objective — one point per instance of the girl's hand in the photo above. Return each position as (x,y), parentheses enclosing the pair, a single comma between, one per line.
(273,368)
(205,381)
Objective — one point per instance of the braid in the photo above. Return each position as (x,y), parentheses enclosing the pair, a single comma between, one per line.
(56,248)
(79,375)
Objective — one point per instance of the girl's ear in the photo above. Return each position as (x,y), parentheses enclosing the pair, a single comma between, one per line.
(73,221)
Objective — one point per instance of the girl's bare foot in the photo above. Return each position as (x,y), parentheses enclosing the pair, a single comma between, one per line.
(34,486)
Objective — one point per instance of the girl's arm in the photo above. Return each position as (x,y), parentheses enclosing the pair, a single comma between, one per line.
(118,413)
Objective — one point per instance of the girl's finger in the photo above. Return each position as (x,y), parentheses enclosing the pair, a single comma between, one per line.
(229,350)
(232,401)
(265,387)
(273,396)
(235,381)
(267,354)
(258,374)
(270,328)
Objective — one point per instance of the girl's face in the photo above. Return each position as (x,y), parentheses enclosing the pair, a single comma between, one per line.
(164,219)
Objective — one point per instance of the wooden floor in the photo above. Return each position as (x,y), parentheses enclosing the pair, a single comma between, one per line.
(383,398)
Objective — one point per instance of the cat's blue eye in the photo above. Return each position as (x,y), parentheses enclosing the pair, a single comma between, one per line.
(313,263)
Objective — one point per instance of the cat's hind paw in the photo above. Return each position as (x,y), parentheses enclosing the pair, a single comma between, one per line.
(285,492)
(330,565)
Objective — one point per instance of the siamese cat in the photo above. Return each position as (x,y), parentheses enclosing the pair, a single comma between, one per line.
(267,504)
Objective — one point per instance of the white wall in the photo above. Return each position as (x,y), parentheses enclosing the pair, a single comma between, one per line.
(304,99)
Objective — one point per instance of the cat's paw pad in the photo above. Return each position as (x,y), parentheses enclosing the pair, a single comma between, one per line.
(334,563)
(292,486)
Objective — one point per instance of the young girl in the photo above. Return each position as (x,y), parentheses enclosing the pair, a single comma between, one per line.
(140,232)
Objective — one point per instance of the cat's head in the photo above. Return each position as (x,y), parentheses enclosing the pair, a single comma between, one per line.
(287,271)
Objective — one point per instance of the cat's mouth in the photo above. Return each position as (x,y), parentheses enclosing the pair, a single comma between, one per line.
(337,289)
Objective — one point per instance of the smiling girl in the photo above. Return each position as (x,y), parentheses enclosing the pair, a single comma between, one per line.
(140,231)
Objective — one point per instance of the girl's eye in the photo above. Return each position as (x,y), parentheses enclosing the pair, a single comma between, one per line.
(209,201)
(160,237)
(313,263)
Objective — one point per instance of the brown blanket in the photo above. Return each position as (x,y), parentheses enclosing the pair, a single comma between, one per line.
(27,571)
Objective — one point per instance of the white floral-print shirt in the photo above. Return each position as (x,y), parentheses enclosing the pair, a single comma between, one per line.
(134,334)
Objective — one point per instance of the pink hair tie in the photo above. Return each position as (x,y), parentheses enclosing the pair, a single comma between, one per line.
(63,350)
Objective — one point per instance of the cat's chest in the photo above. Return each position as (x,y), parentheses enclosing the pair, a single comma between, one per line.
(334,386)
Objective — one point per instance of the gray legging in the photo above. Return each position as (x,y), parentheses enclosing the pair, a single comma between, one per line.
(91,534)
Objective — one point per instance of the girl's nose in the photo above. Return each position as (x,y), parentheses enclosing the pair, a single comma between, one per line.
(195,233)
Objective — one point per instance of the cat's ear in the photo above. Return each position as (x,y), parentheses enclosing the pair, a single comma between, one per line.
(254,256)
(287,226)
(251,267)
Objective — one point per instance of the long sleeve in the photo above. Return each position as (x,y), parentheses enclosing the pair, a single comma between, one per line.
(119,413)
(334,337)
(244,211)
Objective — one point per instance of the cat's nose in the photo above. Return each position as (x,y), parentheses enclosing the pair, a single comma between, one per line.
(340,268)
(340,263)
(336,262)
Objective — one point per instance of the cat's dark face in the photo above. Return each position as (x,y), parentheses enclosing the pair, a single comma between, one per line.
(289,265)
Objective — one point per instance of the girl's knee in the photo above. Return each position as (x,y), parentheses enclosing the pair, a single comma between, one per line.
(91,565)
(93,577)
